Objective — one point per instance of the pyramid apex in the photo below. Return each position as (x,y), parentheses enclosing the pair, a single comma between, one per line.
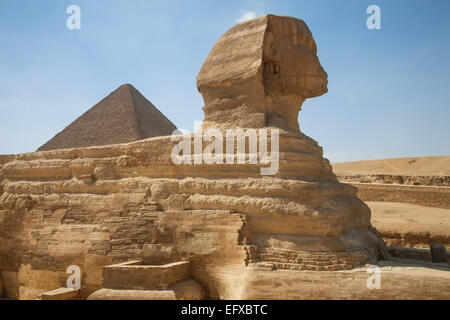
(126,86)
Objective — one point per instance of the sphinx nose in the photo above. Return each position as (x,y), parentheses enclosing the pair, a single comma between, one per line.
(322,71)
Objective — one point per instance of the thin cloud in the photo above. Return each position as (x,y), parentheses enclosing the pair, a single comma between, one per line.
(248,15)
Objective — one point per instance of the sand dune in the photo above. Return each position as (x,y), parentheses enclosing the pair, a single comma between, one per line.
(418,166)
(408,197)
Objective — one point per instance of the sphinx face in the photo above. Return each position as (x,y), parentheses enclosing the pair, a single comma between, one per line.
(301,70)
(293,63)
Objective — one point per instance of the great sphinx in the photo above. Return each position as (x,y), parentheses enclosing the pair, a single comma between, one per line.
(258,75)
(242,233)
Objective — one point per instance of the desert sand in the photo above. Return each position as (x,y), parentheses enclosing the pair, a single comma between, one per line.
(415,224)
(427,166)
(409,197)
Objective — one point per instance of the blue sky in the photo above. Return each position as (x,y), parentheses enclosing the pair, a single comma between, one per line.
(389,89)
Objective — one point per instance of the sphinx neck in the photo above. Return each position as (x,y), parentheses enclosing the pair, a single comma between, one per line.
(282,112)
(245,104)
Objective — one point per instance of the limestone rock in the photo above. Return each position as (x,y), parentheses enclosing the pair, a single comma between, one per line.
(60,294)
(259,73)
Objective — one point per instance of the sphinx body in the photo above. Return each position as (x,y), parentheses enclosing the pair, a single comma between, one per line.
(100,205)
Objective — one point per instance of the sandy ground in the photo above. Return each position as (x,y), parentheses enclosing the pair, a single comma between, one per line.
(411,223)
(404,218)
(420,166)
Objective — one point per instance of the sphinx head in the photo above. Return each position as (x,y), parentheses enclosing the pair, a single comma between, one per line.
(260,72)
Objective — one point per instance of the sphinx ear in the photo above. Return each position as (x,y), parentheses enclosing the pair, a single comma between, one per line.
(272,78)
(269,48)
(271,65)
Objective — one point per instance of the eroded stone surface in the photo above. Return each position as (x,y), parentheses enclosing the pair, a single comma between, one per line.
(60,294)
(259,73)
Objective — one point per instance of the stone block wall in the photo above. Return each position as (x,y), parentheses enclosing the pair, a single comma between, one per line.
(318,261)
(431,196)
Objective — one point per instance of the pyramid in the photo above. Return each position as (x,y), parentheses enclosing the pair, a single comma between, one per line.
(123,116)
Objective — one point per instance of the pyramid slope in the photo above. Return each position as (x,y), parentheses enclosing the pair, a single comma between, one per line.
(145,116)
(123,116)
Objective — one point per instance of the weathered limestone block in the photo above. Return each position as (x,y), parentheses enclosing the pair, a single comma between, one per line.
(183,290)
(431,196)
(60,294)
(397,281)
(157,253)
(139,276)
